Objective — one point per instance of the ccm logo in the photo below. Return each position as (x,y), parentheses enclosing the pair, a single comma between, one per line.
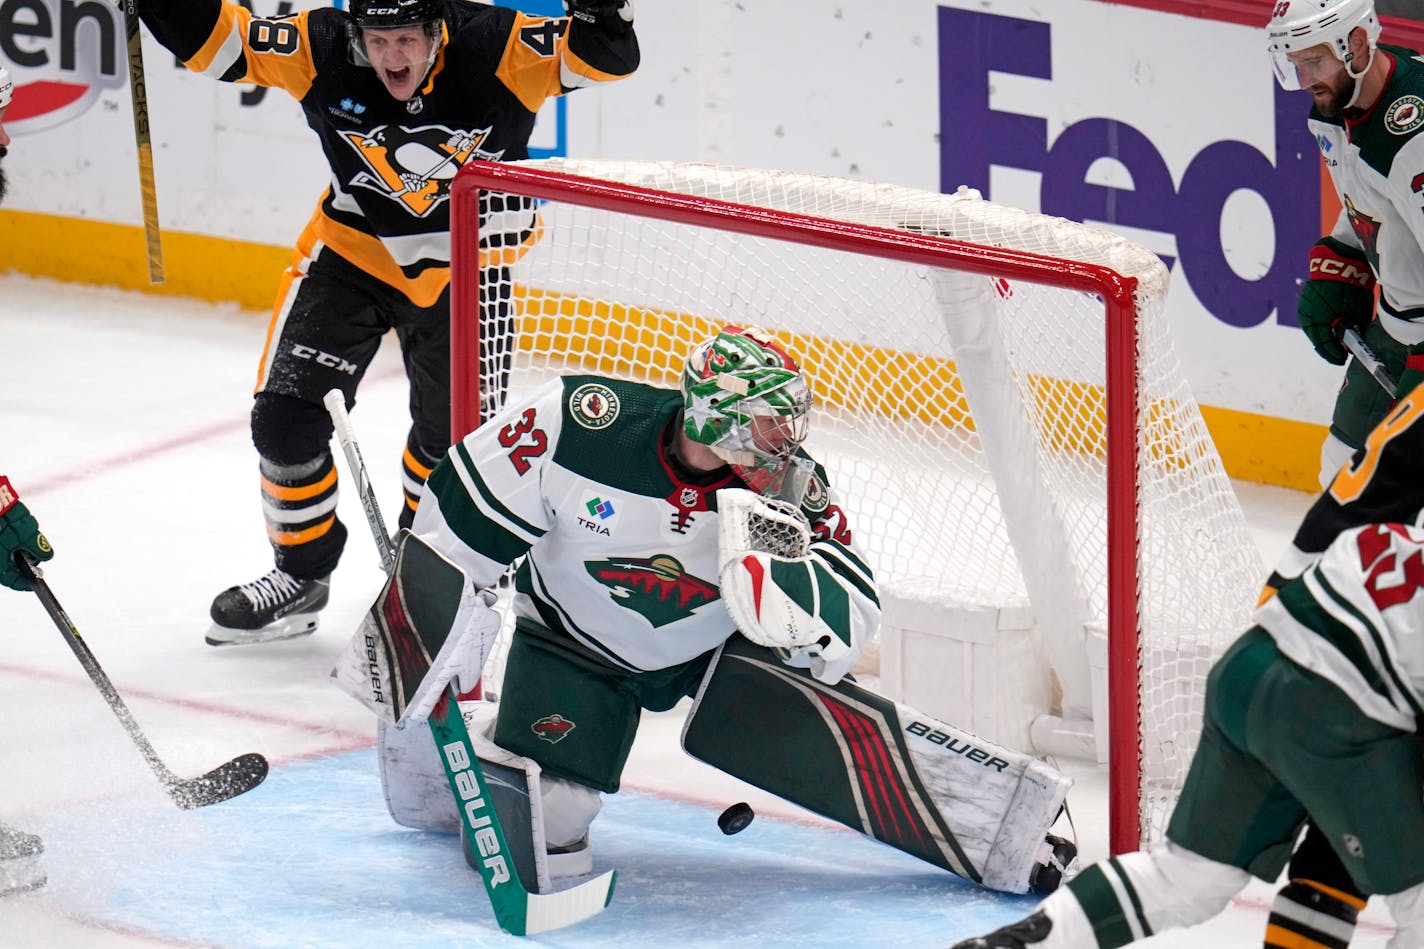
(1342,270)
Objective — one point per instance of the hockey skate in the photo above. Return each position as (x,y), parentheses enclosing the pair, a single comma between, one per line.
(20,867)
(271,608)
(1057,856)
(1024,934)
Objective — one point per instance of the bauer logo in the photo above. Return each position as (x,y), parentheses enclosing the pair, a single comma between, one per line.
(477,813)
(1019,84)
(63,55)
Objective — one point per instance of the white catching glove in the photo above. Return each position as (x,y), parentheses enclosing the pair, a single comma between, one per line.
(774,589)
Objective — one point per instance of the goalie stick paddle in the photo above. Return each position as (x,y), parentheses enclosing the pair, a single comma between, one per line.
(228,780)
(517,911)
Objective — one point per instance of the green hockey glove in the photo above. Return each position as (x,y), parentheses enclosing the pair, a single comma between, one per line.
(1339,295)
(18,532)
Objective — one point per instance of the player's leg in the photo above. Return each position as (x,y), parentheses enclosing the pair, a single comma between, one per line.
(1359,778)
(572,713)
(1360,404)
(922,786)
(1318,907)
(424,334)
(325,329)
(20,861)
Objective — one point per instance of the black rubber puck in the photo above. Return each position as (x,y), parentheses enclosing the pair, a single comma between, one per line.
(735,819)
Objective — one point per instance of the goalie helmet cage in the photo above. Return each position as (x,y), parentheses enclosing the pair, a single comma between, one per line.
(998,402)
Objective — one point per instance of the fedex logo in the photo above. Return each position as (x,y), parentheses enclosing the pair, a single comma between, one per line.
(976,138)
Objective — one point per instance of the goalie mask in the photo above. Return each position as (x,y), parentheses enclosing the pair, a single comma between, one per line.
(1297,25)
(746,399)
(394,15)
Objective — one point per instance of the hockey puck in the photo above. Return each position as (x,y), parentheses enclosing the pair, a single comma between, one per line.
(735,819)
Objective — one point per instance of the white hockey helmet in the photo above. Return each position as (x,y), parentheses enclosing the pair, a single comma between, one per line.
(1298,25)
(7,86)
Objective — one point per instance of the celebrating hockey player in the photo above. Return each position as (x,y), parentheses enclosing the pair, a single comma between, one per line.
(1313,713)
(401,93)
(1367,120)
(677,543)
(20,853)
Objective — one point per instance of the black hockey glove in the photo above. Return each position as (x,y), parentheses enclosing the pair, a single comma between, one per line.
(615,16)
(152,9)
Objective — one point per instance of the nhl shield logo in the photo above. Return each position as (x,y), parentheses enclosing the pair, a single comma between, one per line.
(552,728)
(594,406)
(1405,115)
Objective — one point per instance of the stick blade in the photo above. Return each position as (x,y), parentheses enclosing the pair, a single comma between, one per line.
(548,911)
(237,776)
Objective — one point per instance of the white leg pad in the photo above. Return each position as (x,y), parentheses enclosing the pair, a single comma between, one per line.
(417,791)
(1407,908)
(569,809)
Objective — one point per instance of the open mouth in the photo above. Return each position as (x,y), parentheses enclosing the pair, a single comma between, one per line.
(398,77)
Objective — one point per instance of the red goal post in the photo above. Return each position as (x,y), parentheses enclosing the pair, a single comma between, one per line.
(611,194)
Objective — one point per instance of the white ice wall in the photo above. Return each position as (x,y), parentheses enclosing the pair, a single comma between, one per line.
(852,89)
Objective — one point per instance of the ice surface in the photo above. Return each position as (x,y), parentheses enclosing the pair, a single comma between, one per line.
(125,430)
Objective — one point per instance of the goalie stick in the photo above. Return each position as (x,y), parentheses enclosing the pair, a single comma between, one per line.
(1369,360)
(517,911)
(237,776)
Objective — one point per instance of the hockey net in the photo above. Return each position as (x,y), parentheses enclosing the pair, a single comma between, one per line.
(998,401)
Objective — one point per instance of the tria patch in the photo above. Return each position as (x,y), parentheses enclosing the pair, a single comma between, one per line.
(552,728)
(593,405)
(1405,115)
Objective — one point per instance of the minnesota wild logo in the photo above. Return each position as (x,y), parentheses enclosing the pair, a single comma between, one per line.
(552,728)
(657,588)
(1366,229)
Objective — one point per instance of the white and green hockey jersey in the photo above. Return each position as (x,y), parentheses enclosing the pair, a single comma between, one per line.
(1356,618)
(621,541)
(1376,160)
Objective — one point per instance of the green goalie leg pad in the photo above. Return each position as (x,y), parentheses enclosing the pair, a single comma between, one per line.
(839,751)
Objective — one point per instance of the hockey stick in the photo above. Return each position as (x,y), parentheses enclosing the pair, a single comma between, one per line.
(148,189)
(517,911)
(1369,360)
(241,774)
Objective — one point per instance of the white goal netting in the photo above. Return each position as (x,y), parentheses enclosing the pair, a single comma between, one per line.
(961,415)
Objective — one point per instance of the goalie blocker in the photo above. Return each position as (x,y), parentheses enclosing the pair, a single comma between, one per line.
(938,793)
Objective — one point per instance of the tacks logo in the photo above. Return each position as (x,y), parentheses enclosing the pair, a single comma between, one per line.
(415,167)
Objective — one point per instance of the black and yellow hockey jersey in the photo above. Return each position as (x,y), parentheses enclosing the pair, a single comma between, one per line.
(387,210)
(1383,483)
